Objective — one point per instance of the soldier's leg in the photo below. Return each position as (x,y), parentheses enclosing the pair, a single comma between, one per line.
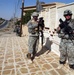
(42,38)
(70,51)
(63,52)
(35,47)
(37,43)
(31,42)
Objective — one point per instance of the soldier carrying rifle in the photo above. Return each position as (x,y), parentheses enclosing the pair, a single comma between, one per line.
(34,26)
(66,33)
(33,36)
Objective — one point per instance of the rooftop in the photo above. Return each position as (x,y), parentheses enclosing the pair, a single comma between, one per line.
(43,5)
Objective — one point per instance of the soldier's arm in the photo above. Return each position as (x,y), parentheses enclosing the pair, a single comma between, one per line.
(73,25)
(58,29)
(30,25)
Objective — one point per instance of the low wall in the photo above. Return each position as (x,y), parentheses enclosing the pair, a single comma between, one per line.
(52,42)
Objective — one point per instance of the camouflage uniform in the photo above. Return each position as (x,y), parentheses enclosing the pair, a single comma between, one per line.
(67,51)
(33,36)
(67,47)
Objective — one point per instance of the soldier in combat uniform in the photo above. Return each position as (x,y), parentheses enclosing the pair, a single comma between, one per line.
(67,41)
(33,36)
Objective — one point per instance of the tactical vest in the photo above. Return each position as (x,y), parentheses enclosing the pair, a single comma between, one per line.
(31,26)
(66,36)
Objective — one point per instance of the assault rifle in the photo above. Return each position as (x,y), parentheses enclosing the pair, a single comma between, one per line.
(40,28)
(66,28)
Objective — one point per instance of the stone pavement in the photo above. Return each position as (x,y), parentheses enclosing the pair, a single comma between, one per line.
(13,61)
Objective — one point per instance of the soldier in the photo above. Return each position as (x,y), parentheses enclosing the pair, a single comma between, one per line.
(41,28)
(67,41)
(33,36)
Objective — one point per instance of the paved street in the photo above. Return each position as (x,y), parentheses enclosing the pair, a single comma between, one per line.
(4,24)
(13,59)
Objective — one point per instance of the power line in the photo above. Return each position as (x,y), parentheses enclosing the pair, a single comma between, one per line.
(16,7)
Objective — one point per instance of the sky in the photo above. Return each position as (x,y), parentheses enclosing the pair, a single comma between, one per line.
(9,8)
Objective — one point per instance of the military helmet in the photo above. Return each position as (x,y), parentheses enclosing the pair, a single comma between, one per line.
(35,14)
(67,12)
(41,18)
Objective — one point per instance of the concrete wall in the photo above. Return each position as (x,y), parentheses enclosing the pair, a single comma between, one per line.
(51,17)
(60,10)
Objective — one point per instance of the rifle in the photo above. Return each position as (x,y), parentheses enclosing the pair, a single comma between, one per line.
(66,28)
(40,28)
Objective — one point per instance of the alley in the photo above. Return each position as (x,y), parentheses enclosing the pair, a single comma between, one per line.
(13,61)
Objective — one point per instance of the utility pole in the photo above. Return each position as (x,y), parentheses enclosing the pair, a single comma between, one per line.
(21,18)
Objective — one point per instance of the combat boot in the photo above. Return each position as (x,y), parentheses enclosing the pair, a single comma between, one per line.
(29,55)
(71,66)
(62,62)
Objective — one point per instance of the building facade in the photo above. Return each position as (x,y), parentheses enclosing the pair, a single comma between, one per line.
(51,16)
(52,13)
